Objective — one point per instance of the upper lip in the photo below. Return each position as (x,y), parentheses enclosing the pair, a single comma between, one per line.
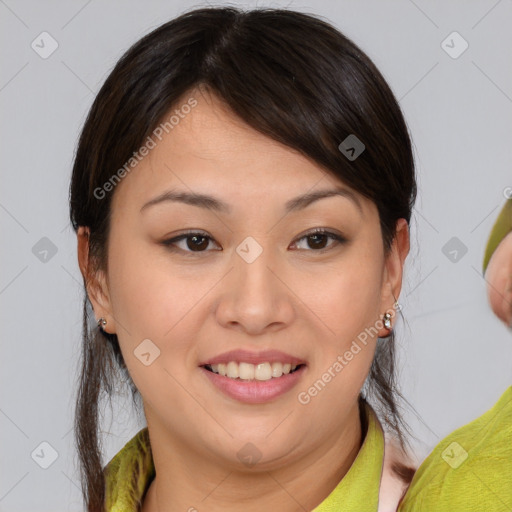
(245,356)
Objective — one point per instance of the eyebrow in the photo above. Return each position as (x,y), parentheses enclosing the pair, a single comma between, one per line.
(212,203)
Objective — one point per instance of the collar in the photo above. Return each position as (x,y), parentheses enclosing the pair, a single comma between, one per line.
(362,481)
(129,474)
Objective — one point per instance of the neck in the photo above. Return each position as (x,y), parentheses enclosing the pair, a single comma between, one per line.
(184,481)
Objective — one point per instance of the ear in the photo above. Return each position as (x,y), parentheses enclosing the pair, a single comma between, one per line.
(498,277)
(393,269)
(97,288)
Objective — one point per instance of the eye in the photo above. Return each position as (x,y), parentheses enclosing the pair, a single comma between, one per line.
(198,241)
(194,242)
(317,239)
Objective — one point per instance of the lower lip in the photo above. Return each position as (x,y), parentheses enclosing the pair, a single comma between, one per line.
(255,391)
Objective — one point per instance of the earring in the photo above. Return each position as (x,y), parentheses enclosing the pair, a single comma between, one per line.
(102,322)
(387,320)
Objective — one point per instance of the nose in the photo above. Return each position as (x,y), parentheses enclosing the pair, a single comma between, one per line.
(255,297)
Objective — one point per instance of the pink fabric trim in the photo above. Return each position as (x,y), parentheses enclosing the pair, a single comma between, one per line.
(391,486)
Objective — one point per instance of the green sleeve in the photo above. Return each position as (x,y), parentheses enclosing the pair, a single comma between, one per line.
(470,470)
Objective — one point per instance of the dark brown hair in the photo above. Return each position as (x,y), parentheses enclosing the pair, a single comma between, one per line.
(289,75)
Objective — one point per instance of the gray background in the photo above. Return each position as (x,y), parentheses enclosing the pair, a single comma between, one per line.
(456,358)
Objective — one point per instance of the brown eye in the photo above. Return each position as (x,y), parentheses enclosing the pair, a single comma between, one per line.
(318,240)
(197,242)
(194,242)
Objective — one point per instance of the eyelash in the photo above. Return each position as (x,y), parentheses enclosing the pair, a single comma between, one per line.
(169,244)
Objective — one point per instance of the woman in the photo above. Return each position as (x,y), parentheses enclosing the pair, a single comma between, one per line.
(241,194)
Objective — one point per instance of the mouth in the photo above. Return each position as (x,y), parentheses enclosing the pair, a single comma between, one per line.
(253,372)
(248,365)
(254,377)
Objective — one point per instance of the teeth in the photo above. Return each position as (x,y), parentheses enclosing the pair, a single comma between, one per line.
(248,371)
(263,371)
(232,370)
(277,369)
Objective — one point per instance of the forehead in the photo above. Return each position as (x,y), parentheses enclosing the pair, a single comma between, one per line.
(210,149)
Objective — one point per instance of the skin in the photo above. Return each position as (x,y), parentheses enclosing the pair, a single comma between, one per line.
(196,305)
(499,280)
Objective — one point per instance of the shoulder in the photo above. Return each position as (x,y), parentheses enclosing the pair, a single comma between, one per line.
(470,469)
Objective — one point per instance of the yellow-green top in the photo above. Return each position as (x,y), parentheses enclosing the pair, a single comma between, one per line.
(468,471)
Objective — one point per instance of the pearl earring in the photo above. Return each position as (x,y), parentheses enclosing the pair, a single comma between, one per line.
(387,321)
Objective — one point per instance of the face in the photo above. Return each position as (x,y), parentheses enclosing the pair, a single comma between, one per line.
(499,280)
(240,283)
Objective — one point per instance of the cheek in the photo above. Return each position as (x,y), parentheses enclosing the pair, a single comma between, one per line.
(347,300)
(151,303)
(157,300)
(136,288)
(346,297)
(149,299)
